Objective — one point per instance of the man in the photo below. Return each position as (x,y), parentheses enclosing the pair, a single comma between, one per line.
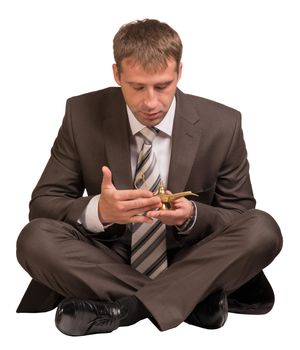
(115,257)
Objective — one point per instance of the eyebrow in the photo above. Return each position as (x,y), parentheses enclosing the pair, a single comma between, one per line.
(168,82)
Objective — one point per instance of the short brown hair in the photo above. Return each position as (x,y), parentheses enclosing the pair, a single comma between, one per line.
(149,42)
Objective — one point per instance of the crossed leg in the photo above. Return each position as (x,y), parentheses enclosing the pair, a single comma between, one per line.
(74,265)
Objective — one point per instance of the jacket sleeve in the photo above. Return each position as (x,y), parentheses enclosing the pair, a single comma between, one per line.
(233,192)
(58,193)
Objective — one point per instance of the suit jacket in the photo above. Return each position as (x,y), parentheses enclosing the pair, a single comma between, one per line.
(208,157)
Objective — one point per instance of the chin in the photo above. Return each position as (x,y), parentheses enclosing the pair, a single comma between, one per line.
(148,121)
(152,122)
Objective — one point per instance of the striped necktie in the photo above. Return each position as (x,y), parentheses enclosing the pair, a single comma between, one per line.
(148,244)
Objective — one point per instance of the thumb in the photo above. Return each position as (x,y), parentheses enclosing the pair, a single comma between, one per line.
(107,179)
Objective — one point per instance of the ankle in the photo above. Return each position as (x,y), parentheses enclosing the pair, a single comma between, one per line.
(132,309)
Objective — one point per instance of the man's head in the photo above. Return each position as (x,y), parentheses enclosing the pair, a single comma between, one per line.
(149,43)
(148,68)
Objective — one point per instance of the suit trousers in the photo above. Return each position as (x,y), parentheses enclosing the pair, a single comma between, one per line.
(62,258)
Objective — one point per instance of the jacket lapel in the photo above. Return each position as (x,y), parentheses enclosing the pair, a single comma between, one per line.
(185,142)
(117,143)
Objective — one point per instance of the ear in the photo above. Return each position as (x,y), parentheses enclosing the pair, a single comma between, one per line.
(179,71)
(116,74)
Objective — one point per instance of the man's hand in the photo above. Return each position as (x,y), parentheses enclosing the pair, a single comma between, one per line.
(181,210)
(124,206)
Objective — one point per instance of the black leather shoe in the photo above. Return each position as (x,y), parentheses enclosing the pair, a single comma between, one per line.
(82,317)
(211,313)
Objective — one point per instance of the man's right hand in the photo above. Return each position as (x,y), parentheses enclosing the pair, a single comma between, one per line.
(124,206)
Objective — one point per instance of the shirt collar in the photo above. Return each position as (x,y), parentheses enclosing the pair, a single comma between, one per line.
(166,125)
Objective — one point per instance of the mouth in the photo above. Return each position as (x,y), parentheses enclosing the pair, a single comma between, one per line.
(151,116)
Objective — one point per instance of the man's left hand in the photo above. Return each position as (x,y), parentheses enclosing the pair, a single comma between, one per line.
(181,210)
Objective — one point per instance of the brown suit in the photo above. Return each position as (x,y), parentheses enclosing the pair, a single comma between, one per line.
(208,157)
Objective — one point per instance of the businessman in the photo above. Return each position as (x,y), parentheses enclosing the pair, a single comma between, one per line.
(115,257)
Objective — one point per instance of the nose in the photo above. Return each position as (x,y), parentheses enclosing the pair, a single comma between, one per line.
(150,99)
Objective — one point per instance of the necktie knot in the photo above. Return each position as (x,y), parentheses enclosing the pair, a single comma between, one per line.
(149,134)
(147,173)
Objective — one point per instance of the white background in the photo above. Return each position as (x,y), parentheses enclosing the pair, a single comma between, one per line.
(241,53)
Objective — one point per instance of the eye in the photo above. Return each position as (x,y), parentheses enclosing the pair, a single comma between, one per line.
(162,87)
(138,88)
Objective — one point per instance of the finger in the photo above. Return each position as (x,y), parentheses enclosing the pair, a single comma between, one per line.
(163,214)
(141,219)
(127,195)
(141,211)
(142,204)
(177,205)
(179,202)
(107,179)
(153,214)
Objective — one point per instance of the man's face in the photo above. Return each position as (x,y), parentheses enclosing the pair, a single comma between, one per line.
(148,95)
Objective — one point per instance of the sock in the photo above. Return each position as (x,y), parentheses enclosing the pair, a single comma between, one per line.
(134,310)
